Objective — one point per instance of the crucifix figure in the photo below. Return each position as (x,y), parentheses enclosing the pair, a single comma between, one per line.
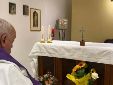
(82,42)
(82,33)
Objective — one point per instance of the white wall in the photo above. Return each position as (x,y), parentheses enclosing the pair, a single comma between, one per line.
(50,11)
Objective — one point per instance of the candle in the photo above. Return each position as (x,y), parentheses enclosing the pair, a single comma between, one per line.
(49,34)
(42,34)
(49,29)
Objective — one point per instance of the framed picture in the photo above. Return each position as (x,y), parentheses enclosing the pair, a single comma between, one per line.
(25,10)
(12,8)
(35,19)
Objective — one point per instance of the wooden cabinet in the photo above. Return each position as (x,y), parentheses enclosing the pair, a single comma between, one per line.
(60,67)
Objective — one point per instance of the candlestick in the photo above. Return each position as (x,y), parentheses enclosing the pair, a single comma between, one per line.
(49,40)
(42,35)
(82,42)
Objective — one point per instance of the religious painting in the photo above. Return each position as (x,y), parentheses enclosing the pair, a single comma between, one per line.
(25,10)
(35,19)
(12,8)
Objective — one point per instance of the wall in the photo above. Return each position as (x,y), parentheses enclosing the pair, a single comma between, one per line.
(95,16)
(50,11)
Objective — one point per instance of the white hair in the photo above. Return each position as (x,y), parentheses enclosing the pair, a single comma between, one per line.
(5,27)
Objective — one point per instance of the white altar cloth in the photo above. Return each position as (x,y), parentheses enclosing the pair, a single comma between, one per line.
(93,52)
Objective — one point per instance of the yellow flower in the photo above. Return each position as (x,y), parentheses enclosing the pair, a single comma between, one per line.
(79,66)
(84,79)
(81,81)
(71,77)
(75,68)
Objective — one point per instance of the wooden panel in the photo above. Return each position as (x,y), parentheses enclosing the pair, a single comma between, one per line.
(100,70)
(60,67)
(45,64)
(67,66)
(107,75)
(111,75)
(40,65)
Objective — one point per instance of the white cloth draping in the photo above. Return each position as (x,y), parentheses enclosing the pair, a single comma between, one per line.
(92,51)
(11,74)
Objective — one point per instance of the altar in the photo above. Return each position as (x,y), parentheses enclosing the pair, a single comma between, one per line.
(59,57)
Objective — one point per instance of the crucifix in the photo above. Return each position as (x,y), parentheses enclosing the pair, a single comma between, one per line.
(82,42)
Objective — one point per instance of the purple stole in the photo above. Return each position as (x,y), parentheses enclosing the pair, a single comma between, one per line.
(5,56)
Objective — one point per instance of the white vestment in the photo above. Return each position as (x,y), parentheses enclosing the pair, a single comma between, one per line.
(11,74)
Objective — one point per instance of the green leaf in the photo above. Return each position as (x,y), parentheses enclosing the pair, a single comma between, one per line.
(90,82)
(80,73)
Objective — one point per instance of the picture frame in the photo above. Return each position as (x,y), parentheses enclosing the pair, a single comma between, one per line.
(12,8)
(25,9)
(35,19)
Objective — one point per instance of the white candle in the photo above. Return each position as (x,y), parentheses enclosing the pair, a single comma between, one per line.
(49,30)
(42,34)
(49,33)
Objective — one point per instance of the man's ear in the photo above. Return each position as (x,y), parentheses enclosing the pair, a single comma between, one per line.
(3,40)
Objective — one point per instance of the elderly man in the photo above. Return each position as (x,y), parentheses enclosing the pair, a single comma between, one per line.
(11,71)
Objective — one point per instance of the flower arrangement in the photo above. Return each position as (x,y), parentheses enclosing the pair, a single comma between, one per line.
(82,75)
(48,79)
(61,23)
